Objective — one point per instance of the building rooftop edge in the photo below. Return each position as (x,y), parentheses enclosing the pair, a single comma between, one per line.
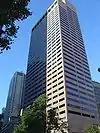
(50,7)
(96,81)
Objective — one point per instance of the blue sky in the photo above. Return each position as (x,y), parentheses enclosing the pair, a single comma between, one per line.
(16,58)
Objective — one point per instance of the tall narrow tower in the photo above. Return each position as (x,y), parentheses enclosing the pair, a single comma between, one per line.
(58,65)
(14,100)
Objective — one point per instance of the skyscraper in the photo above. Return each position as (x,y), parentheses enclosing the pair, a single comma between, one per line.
(58,65)
(35,83)
(13,105)
(96,86)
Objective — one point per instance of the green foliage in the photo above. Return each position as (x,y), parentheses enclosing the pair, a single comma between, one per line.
(92,129)
(36,120)
(33,118)
(11,11)
(55,123)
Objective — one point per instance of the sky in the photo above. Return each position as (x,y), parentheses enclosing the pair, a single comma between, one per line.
(16,59)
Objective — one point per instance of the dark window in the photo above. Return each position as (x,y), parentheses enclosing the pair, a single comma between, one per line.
(58,51)
(59,67)
(61,93)
(58,55)
(49,84)
(54,91)
(54,81)
(54,71)
(60,72)
(53,59)
(74,84)
(60,77)
(61,87)
(58,47)
(61,99)
(60,82)
(49,79)
(71,88)
(70,73)
(93,116)
(53,67)
(83,92)
(55,102)
(49,75)
(54,86)
(49,94)
(63,105)
(74,112)
(48,105)
(69,68)
(74,100)
(86,115)
(62,112)
(71,78)
(54,76)
(55,96)
(59,59)
(49,71)
(72,94)
(49,89)
(49,99)
(59,63)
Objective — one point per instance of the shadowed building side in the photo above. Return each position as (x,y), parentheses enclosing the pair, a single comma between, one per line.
(14,101)
(96,86)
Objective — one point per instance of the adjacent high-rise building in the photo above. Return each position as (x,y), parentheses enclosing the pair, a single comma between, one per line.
(57,65)
(14,100)
(35,83)
(96,86)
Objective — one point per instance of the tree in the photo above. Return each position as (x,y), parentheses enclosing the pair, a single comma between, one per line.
(54,123)
(36,120)
(92,129)
(11,11)
(33,118)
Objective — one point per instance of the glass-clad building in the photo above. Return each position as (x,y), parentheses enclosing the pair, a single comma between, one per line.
(14,102)
(96,86)
(36,69)
(58,66)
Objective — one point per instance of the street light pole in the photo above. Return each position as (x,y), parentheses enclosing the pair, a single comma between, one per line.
(98,69)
